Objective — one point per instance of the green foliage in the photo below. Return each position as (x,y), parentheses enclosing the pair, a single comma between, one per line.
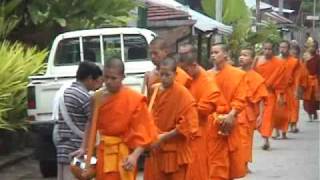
(76,14)
(8,18)
(16,64)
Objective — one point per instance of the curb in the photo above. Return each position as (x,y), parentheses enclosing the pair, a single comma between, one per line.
(13,158)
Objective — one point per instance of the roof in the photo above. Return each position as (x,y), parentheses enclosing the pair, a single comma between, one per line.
(278,18)
(264,6)
(203,22)
(158,12)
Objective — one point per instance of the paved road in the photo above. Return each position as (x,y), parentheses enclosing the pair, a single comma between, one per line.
(294,159)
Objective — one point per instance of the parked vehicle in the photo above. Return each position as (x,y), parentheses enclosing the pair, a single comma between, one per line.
(68,49)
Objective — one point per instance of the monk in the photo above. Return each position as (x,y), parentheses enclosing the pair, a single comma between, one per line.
(271,69)
(226,157)
(207,97)
(251,117)
(176,117)
(300,86)
(312,91)
(124,124)
(159,50)
(283,114)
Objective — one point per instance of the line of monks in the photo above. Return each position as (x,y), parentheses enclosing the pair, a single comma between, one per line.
(197,124)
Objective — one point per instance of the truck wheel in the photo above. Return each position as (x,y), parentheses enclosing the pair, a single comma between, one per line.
(48,168)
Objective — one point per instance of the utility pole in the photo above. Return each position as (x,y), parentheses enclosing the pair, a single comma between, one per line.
(281,7)
(219,9)
(258,16)
(314,21)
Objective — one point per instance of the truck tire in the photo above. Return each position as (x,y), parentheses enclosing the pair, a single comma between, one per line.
(48,168)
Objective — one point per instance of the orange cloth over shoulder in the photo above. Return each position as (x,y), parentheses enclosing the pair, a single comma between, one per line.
(273,72)
(284,113)
(124,115)
(226,159)
(256,92)
(207,96)
(174,108)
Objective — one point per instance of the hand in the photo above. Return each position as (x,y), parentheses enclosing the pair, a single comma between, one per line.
(228,123)
(130,162)
(78,153)
(259,121)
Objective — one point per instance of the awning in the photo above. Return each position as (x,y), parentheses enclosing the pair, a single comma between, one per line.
(251,4)
(203,22)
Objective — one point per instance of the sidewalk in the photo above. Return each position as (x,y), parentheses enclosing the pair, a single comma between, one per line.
(10,159)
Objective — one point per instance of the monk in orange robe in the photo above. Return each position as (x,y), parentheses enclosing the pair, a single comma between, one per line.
(271,69)
(300,86)
(311,97)
(283,114)
(251,117)
(176,117)
(159,50)
(226,157)
(207,97)
(124,124)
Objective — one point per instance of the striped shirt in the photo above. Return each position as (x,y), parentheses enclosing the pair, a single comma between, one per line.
(77,102)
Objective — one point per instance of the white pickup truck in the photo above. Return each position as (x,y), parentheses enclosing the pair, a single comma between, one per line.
(68,49)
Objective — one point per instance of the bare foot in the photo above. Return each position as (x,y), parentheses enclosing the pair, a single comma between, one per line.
(284,135)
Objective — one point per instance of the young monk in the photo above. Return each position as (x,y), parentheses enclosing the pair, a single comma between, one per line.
(226,158)
(124,124)
(159,50)
(283,114)
(175,115)
(207,96)
(311,95)
(271,69)
(300,85)
(251,117)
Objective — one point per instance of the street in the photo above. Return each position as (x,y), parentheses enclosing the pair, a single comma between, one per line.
(294,159)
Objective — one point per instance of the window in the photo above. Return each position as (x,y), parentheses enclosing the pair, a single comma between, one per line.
(135,48)
(91,49)
(112,47)
(68,52)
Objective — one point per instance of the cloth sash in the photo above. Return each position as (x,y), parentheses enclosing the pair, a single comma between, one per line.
(115,151)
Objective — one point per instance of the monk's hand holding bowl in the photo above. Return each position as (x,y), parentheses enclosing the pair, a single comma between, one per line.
(130,162)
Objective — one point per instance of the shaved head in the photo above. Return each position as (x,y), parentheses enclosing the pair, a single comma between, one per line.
(187,54)
(169,62)
(159,43)
(115,63)
(223,47)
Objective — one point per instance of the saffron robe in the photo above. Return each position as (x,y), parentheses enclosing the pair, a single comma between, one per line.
(273,72)
(174,108)
(256,92)
(123,115)
(226,158)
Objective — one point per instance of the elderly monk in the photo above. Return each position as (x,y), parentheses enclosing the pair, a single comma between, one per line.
(300,86)
(251,117)
(159,50)
(124,124)
(271,69)
(283,114)
(311,95)
(176,117)
(226,158)
(207,97)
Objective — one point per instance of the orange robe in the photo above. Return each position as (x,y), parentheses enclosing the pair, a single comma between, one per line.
(226,158)
(283,114)
(206,94)
(312,92)
(256,92)
(153,77)
(273,72)
(300,83)
(123,115)
(174,108)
